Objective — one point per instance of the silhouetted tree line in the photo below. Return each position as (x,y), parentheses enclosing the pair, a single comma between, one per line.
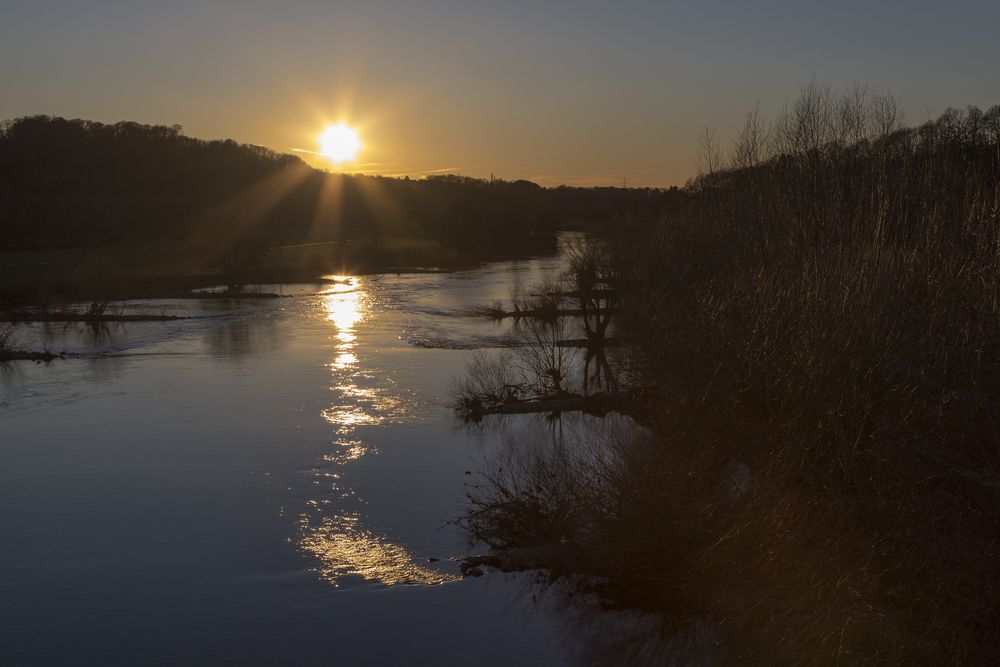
(66,183)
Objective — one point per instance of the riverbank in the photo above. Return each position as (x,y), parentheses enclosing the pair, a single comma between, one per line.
(816,337)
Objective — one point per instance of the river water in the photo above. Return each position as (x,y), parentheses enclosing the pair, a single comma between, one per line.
(269,482)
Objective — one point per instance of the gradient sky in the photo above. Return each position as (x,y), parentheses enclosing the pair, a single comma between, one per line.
(581,93)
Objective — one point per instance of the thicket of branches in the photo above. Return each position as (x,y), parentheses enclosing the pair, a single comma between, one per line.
(550,360)
(817,325)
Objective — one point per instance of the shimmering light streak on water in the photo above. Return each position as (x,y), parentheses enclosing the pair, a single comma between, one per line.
(332,535)
(345,548)
(343,303)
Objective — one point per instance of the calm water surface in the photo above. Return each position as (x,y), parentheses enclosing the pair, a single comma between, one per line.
(271,482)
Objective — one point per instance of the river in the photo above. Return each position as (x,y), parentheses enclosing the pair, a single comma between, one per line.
(271,481)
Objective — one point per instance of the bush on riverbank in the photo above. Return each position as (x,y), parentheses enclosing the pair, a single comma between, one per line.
(7,341)
(819,330)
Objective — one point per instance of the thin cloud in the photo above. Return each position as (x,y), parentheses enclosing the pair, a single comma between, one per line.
(441,170)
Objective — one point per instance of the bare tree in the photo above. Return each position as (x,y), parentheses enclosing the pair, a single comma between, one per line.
(805,125)
(975,126)
(812,117)
(852,115)
(593,276)
(782,134)
(545,362)
(886,115)
(991,121)
(709,153)
(750,146)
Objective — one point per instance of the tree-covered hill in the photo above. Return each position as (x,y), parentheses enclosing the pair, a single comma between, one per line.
(72,183)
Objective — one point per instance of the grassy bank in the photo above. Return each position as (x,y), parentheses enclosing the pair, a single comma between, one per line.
(817,328)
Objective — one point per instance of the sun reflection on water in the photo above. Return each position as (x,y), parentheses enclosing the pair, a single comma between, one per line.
(342,301)
(361,396)
(347,450)
(344,359)
(344,548)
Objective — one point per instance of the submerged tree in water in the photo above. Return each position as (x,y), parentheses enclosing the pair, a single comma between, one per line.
(593,278)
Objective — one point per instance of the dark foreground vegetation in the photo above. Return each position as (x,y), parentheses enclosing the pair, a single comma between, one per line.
(94,211)
(812,332)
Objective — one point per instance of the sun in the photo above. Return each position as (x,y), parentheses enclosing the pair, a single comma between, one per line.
(339,142)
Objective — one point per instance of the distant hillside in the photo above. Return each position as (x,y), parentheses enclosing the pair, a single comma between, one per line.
(76,183)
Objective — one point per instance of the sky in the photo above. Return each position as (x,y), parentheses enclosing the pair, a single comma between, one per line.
(578,93)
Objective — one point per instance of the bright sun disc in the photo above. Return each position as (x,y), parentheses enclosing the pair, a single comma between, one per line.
(339,143)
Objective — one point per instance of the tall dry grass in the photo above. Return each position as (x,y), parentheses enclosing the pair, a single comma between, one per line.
(818,328)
